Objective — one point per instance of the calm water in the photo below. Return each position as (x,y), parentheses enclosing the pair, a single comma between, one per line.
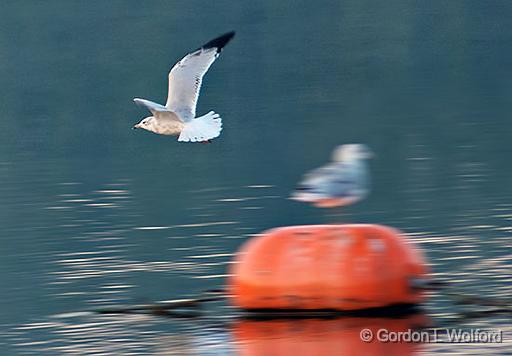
(96,214)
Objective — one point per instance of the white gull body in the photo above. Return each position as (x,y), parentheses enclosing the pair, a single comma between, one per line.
(343,181)
(177,117)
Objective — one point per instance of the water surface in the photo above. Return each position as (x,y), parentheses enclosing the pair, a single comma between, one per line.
(95,214)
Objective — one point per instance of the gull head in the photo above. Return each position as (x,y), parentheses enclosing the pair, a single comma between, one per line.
(351,152)
(146,123)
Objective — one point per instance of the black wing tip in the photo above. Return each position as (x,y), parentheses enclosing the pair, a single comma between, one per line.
(220,41)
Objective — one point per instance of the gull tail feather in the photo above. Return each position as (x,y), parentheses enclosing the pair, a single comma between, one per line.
(202,128)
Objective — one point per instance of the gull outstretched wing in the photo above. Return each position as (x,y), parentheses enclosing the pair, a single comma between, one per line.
(151,106)
(186,76)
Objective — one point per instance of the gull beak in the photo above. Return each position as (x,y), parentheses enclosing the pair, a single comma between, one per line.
(368,153)
(135,127)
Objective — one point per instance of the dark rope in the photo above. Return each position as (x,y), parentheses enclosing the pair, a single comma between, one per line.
(463,298)
(190,308)
(167,308)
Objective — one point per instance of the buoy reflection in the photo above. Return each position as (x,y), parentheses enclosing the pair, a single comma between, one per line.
(340,336)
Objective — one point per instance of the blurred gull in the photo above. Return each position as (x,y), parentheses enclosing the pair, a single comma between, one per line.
(177,117)
(344,181)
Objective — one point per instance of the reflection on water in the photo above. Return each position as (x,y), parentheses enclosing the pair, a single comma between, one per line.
(103,263)
(98,249)
(322,337)
(108,265)
(92,246)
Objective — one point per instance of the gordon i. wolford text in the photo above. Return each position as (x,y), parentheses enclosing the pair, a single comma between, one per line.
(439,335)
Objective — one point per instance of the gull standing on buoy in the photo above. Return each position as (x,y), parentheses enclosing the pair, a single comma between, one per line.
(344,181)
(177,117)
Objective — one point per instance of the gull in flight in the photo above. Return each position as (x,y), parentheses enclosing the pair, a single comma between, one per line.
(343,181)
(177,117)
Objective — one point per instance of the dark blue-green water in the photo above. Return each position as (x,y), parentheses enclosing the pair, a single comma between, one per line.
(93,213)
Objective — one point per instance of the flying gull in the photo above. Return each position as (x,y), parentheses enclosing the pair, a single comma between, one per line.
(344,181)
(177,117)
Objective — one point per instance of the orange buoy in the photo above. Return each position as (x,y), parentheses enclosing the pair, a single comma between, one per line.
(340,267)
